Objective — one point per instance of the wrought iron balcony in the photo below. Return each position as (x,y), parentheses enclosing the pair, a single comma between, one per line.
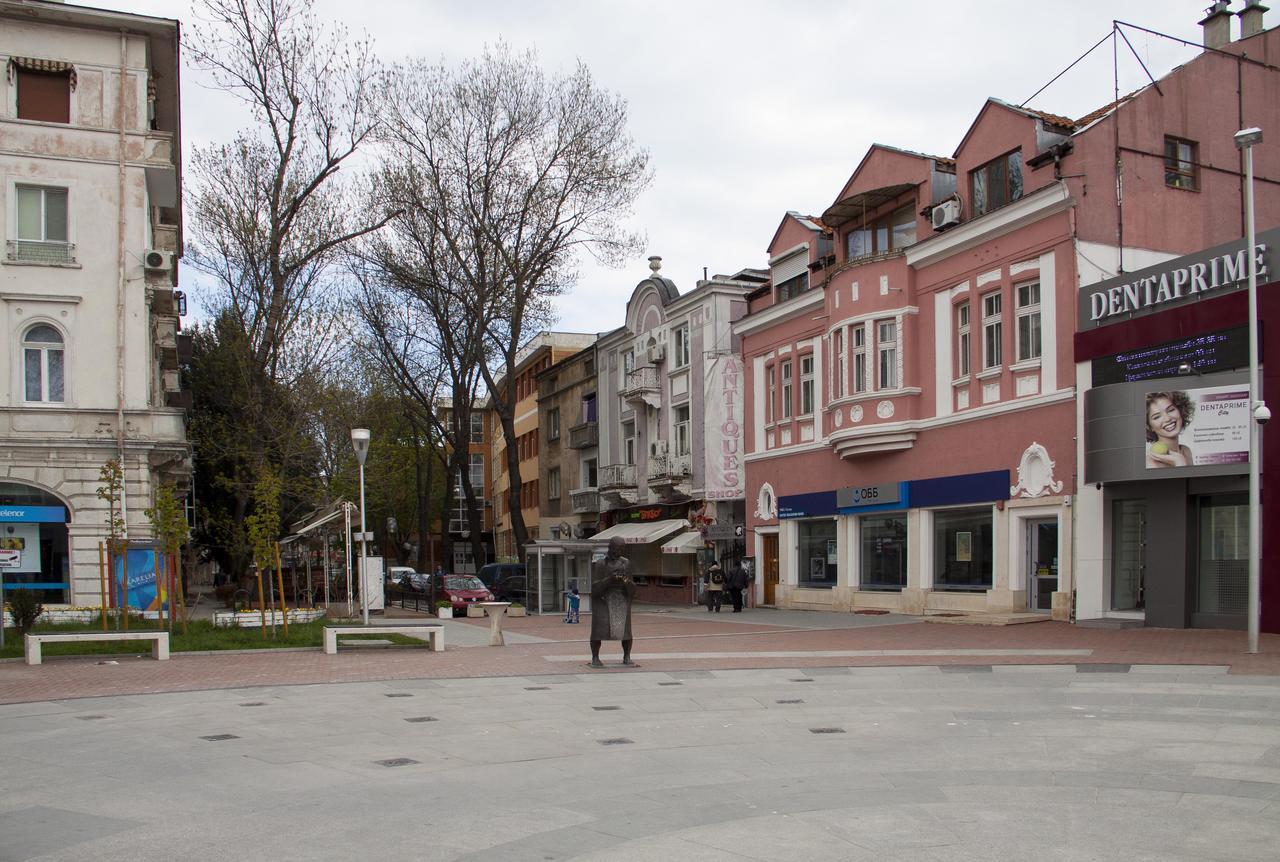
(618,476)
(584,435)
(585,501)
(643,384)
(668,469)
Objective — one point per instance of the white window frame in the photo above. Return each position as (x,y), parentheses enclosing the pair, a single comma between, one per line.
(680,338)
(839,363)
(785,374)
(1030,346)
(44,349)
(629,442)
(553,483)
(962,339)
(887,354)
(67,245)
(553,424)
(771,399)
(806,384)
(992,330)
(858,347)
(680,429)
(628,364)
(477,419)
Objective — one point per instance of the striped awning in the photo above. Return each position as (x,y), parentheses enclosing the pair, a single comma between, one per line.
(49,67)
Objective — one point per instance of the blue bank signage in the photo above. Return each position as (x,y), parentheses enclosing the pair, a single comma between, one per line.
(32,514)
(868,495)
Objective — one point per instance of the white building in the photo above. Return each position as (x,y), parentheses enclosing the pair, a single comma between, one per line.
(88,317)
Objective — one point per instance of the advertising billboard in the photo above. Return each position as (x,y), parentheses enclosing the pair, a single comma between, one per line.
(1196,427)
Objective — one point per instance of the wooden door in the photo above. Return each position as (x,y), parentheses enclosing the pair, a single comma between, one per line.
(770,567)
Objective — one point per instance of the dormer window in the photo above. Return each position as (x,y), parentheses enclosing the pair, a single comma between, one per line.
(888,233)
(791,275)
(997,183)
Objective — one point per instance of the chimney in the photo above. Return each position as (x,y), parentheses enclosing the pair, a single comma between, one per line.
(1217,25)
(1251,18)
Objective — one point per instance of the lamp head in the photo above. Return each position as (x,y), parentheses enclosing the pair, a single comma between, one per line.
(1248,137)
(360,442)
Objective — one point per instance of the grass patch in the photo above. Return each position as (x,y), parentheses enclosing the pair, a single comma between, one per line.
(202,636)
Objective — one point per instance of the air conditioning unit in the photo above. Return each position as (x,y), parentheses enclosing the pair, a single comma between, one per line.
(946,214)
(157,261)
(657,353)
(658,447)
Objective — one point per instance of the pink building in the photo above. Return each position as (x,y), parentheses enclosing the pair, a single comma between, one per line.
(911,404)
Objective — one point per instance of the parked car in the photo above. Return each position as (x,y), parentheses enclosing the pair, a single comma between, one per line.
(507,581)
(396,576)
(463,590)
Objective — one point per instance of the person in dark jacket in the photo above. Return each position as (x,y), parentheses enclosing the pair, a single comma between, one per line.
(735,583)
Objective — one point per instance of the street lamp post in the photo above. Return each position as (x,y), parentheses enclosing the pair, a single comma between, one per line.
(360,442)
(1245,140)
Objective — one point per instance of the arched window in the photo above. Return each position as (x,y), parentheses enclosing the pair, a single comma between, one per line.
(43,365)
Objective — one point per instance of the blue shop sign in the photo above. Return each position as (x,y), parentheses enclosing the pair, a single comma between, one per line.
(872,498)
(813,505)
(32,514)
(955,490)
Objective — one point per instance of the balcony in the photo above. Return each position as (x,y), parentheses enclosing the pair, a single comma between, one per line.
(584,501)
(643,384)
(669,469)
(40,251)
(584,435)
(617,476)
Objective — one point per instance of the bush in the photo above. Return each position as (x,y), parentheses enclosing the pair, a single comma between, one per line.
(443,603)
(25,609)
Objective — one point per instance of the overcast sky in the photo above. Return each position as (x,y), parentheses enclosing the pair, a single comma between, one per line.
(751,108)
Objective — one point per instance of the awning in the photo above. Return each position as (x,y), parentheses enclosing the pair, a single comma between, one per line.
(641,533)
(48,67)
(685,543)
(855,206)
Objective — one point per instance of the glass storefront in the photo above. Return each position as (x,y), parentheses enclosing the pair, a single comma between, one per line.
(883,552)
(817,553)
(962,549)
(33,543)
(1129,546)
(1222,581)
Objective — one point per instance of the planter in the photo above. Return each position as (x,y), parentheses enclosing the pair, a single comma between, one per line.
(516,612)
(475,611)
(444,613)
(249,619)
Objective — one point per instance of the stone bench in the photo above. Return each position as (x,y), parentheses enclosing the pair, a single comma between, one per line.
(31,642)
(433,633)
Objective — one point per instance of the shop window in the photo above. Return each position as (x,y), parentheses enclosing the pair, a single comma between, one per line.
(884,552)
(41,235)
(887,353)
(1180,162)
(43,365)
(997,183)
(962,549)
(44,95)
(806,385)
(962,339)
(890,233)
(36,557)
(839,364)
(816,556)
(786,389)
(1028,321)
(681,429)
(681,337)
(992,331)
(859,359)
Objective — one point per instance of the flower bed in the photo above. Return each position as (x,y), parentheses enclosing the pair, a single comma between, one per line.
(248,619)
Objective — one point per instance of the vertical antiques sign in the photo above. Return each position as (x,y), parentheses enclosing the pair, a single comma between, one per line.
(723,477)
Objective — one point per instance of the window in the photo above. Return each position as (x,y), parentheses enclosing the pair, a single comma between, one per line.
(997,183)
(1028,321)
(1180,163)
(628,364)
(786,389)
(553,423)
(839,365)
(553,484)
(589,407)
(477,427)
(772,385)
(806,385)
(962,340)
(816,559)
(43,364)
(477,473)
(889,233)
(884,552)
(887,353)
(681,336)
(629,442)
(793,286)
(589,474)
(962,549)
(42,225)
(44,90)
(682,429)
(859,359)
(992,331)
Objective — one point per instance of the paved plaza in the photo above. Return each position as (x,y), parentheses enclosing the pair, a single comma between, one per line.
(865,738)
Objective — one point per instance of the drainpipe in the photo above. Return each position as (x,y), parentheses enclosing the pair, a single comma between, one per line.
(122,116)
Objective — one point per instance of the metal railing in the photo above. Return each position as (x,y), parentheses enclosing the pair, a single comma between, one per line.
(664,467)
(585,501)
(617,476)
(640,381)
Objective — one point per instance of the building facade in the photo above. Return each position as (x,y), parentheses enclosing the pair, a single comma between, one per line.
(481,427)
(91,136)
(569,462)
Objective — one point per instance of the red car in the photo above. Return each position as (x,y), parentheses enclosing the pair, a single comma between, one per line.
(463,590)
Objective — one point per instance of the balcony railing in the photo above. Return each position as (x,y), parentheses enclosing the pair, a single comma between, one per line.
(584,435)
(39,251)
(664,468)
(618,476)
(585,501)
(640,382)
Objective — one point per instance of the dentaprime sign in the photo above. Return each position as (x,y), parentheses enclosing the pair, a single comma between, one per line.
(1212,272)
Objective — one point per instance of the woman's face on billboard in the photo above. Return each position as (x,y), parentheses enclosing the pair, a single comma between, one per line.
(1164,419)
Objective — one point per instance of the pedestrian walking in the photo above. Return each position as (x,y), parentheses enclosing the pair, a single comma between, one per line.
(715,588)
(735,583)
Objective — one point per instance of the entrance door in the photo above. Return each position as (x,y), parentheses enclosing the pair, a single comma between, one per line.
(1222,573)
(770,568)
(1042,563)
(1129,555)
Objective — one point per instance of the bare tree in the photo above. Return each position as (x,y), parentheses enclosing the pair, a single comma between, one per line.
(511,173)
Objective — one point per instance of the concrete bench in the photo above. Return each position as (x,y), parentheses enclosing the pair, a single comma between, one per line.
(432,633)
(31,642)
